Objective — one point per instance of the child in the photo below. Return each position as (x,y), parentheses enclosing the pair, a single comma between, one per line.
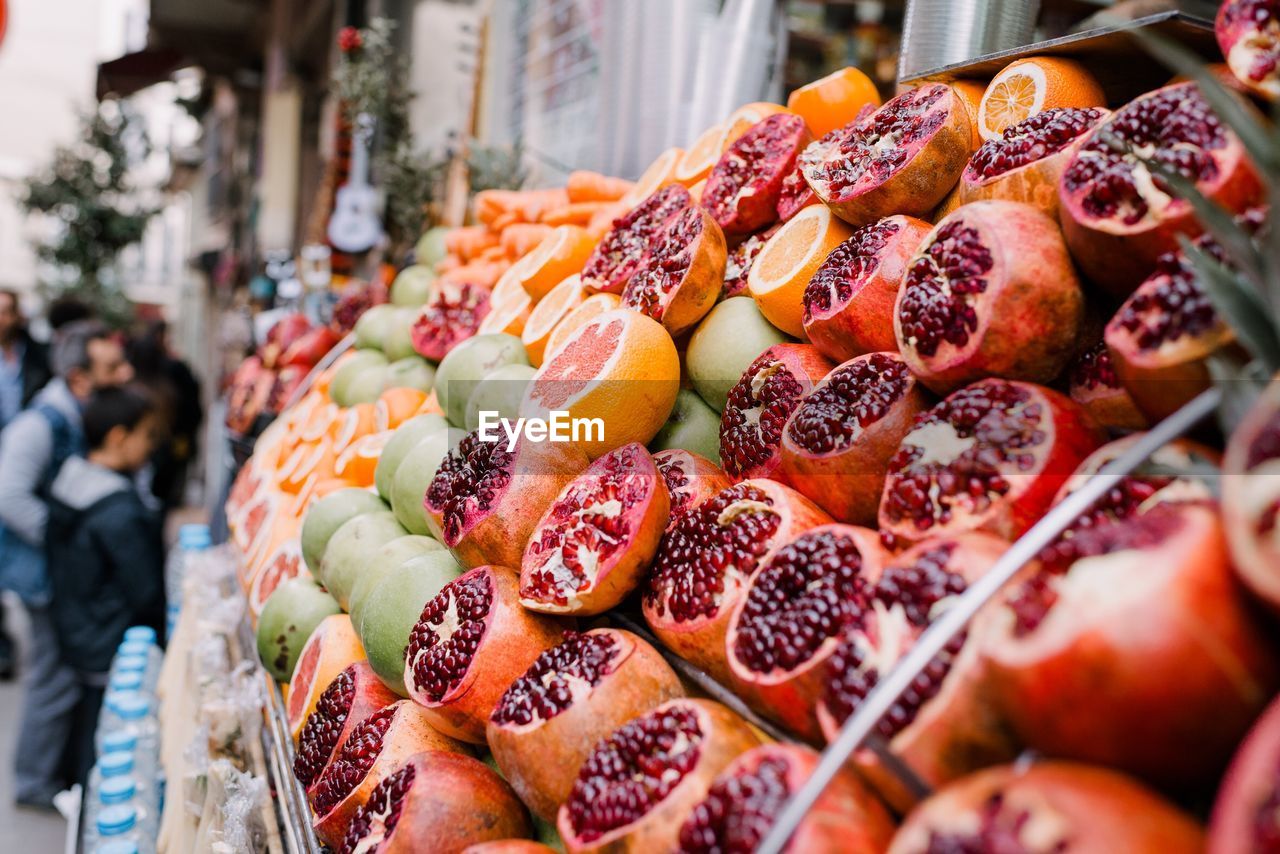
(105,553)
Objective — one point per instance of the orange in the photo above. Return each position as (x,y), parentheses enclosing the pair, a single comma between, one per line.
(621,368)
(558,302)
(833,101)
(590,307)
(315,488)
(359,420)
(695,192)
(788,260)
(431,406)
(697,161)
(561,253)
(356,464)
(322,421)
(508,289)
(508,317)
(295,416)
(310,459)
(970,93)
(1030,86)
(270,542)
(659,173)
(331,649)
(587,186)
(284,563)
(396,406)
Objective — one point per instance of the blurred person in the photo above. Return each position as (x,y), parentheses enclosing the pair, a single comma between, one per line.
(105,552)
(66,310)
(85,357)
(176,393)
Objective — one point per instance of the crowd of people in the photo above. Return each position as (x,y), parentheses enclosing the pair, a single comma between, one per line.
(97,429)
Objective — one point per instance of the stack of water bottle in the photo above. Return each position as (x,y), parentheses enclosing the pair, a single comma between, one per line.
(192,540)
(126,789)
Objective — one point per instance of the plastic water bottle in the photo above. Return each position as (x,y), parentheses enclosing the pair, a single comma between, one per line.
(191,538)
(144,634)
(139,655)
(116,826)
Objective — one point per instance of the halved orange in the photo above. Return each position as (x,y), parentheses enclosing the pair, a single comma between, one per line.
(1032,85)
(359,420)
(788,260)
(396,406)
(558,302)
(332,648)
(295,416)
(561,253)
(833,101)
(431,406)
(322,421)
(590,307)
(283,528)
(659,173)
(316,458)
(695,164)
(356,464)
(508,317)
(284,563)
(745,116)
(970,93)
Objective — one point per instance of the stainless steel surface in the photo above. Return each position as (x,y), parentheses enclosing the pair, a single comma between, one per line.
(945,32)
(291,801)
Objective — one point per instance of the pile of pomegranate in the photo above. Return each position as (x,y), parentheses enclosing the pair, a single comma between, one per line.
(990,325)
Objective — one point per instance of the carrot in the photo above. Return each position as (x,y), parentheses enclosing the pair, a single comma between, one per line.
(447,263)
(508,219)
(533,202)
(520,237)
(483,273)
(469,241)
(587,186)
(493,253)
(491,204)
(578,213)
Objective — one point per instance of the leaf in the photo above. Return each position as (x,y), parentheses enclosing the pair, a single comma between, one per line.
(1240,385)
(1269,237)
(1238,304)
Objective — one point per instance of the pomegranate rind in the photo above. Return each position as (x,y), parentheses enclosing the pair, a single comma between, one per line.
(683,303)
(1105,398)
(1248,34)
(332,648)
(453,315)
(741,195)
(370,696)
(1248,788)
(690,479)
(1250,490)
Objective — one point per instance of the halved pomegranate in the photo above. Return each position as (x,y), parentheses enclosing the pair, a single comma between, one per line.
(848,304)
(1251,497)
(1025,163)
(618,255)
(837,444)
(745,185)
(452,800)
(740,258)
(376,747)
(352,696)
(472,640)
(902,159)
(944,726)
(1119,217)
(1047,807)
(485,501)
(681,275)
(761,402)
(510,846)
(598,537)
(702,566)
(450,317)
(573,696)
(796,194)
(990,458)
(1095,386)
(1249,35)
(637,786)
(748,796)
(1246,819)
(990,292)
(796,607)
(690,480)
(1142,618)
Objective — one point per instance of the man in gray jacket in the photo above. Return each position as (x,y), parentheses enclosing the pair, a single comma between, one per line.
(85,356)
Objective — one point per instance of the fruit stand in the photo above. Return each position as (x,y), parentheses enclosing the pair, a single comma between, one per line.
(928,501)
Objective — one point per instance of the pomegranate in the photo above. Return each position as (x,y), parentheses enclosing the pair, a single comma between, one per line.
(1249,35)
(944,726)
(451,316)
(510,846)
(1119,217)
(373,750)
(990,292)
(796,195)
(596,540)
(484,501)
(739,260)
(760,403)
(353,695)
(744,800)
(618,255)
(472,640)
(1095,386)
(681,275)
(1142,617)
(1245,819)
(745,186)
(306,351)
(1251,497)
(353,302)
(452,800)
(990,457)
(573,695)
(637,786)
(1026,161)
(690,480)
(703,563)
(848,304)
(1058,807)
(282,335)
(837,443)
(790,618)
(902,159)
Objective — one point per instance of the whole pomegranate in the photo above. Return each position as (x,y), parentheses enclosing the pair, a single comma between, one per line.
(1249,35)
(1245,819)
(690,480)
(745,186)
(682,273)
(638,785)
(485,500)
(618,254)
(1143,617)
(990,457)
(1251,497)
(848,304)
(1058,807)
(571,697)
(761,402)
(451,316)
(472,640)
(837,444)
(902,159)
(1095,386)
(990,292)
(744,800)
(1119,216)
(703,563)
(353,695)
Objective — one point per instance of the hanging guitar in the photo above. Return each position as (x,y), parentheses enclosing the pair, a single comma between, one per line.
(354,226)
